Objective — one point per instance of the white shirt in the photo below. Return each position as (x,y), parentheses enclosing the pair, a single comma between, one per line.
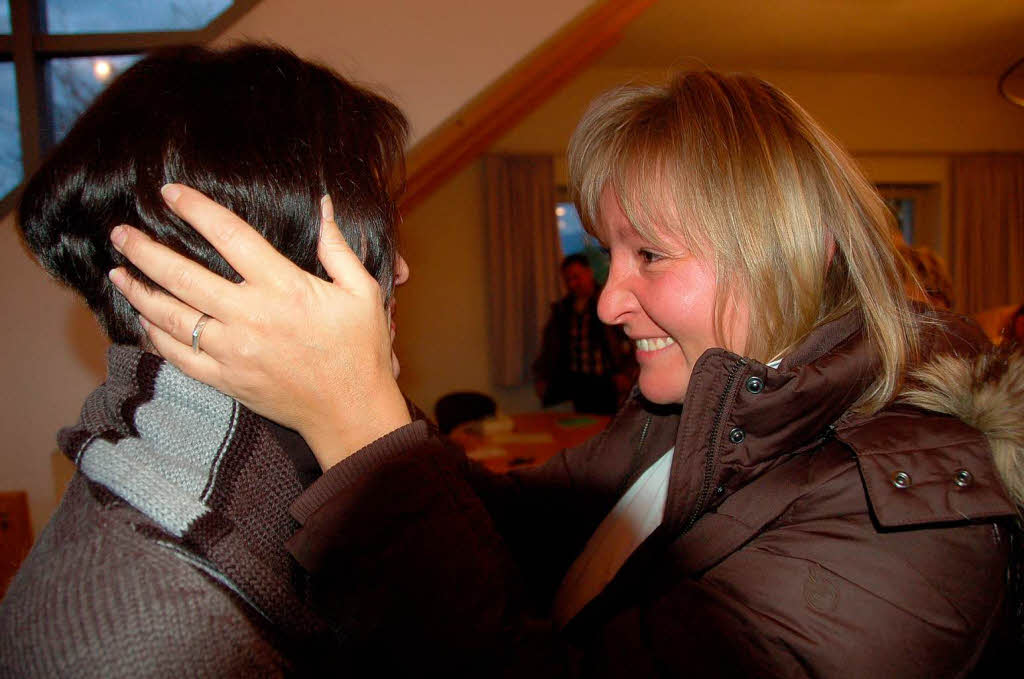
(631,520)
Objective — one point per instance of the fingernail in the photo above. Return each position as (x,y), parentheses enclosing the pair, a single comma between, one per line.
(170,192)
(326,208)
(118,236)
(144,323)
(117,277)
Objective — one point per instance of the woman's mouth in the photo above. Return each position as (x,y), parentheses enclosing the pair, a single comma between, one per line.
(651,344)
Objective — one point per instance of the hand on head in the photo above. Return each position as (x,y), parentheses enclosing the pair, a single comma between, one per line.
(310,354)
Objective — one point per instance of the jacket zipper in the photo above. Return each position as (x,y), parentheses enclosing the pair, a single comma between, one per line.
(709,459)
(635,469)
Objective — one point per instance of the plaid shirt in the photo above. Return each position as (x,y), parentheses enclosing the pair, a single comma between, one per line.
(584,356)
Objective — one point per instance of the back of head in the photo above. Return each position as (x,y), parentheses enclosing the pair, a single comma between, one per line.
(255,128)
(747,180)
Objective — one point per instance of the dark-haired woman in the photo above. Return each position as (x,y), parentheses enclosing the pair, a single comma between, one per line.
(813,478)
(166,556)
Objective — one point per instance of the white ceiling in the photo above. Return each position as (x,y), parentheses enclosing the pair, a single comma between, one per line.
(877,36)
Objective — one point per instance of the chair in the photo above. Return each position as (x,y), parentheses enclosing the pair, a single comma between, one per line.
(457,407)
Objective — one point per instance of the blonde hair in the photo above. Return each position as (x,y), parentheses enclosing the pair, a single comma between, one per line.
(748,180)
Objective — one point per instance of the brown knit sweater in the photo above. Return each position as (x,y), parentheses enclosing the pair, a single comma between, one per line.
(166,554)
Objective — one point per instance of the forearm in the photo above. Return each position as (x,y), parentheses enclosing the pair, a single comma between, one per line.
(334,438)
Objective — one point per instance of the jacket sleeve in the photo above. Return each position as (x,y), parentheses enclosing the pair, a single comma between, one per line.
(402,552)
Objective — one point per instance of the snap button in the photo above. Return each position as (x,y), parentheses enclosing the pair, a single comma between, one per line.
(737,435)
(719,490)
(963,478)
(901,480)
(755,385)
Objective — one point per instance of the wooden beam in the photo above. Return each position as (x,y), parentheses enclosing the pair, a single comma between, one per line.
(471,131)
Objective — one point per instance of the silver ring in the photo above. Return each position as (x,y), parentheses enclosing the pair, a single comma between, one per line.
(197,331)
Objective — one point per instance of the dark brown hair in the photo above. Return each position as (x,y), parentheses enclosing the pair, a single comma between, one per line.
(255,128)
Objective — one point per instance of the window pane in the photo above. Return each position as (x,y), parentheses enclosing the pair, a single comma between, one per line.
(72,84)
(5,17)
(126,16)
(575,239)
(10,136)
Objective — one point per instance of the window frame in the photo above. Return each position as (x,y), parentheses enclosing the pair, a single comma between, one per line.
(28,47)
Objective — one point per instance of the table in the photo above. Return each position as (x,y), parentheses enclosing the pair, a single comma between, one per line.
(524,439)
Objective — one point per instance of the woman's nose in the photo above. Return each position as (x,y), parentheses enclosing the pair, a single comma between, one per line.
(612,304)
(401,270)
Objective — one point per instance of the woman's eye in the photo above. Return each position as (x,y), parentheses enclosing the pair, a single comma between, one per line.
(648,257)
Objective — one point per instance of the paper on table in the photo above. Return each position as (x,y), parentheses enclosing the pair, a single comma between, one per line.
(486,453)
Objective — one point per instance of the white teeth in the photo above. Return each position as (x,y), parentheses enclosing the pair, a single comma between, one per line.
(654,344)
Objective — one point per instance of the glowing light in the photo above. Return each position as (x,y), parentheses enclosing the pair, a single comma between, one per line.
(102,69)
(560,211)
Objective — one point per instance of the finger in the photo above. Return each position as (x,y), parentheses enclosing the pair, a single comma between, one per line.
(338,259)
(200,366)
(171,316)
(192,283)
(244,249)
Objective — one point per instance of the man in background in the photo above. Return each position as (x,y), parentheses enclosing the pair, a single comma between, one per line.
(582,359)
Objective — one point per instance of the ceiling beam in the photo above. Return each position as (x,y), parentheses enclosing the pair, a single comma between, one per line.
(472,130)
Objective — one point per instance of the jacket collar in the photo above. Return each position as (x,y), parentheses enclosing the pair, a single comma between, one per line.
(741,417)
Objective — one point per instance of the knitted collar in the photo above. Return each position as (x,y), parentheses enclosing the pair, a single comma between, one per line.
(206,472)
(170,445)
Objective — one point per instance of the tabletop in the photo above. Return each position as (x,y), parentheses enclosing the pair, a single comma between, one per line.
(510,441)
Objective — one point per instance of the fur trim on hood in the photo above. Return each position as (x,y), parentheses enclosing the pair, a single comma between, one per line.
(987,393)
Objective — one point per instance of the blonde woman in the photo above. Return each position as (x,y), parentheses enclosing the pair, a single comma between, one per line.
(805,481)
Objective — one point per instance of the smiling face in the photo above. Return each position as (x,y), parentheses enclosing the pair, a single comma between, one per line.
(664,297)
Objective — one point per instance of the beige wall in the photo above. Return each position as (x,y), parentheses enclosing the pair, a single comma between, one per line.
(868,112)
(430,57)
(442,310)
(52,358)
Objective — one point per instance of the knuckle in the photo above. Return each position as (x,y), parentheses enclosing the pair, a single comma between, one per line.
(182,279)
(174,325)
(225,231)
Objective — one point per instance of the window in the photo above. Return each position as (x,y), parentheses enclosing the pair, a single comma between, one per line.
(916,207)
(573,238)
(10,144)
(57,55)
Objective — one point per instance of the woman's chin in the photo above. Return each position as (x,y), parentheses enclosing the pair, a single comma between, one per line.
(658,390)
